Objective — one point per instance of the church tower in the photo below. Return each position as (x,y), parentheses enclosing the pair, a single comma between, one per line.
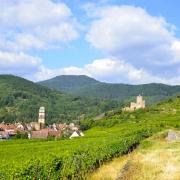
(41,119)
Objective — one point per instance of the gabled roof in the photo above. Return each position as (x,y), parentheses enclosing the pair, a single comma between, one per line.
(44,133)
(39,134)
(7,126)
(54,133)
(76,134)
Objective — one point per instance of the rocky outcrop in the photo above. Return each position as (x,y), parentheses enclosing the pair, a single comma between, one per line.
(173,135)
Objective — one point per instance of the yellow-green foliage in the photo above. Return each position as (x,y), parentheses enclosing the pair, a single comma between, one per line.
(155,158)
(111,137)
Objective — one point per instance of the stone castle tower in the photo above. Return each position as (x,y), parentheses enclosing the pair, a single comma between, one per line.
(139,104)
(41,119)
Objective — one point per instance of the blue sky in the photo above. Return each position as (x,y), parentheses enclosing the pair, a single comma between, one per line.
(121,41)
(166,9)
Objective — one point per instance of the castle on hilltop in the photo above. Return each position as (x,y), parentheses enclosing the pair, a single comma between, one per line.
(139,104)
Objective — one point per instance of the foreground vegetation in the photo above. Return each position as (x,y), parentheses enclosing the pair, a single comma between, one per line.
(108,138)
(155,158)
(52,160)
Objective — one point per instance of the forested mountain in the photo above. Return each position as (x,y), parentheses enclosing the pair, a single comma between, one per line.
(85,86)
(69,82)
(20,100)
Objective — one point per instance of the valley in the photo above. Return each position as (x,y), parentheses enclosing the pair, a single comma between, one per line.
(89,90)
(110,137)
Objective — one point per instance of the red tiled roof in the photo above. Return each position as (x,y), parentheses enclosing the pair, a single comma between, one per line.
(44,133)
(54,133)
(7,126)
(39,134)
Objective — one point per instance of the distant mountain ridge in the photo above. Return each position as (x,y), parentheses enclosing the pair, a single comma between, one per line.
(89,87)
(69,82)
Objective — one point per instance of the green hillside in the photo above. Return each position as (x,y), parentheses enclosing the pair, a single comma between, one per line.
(165,114)
(20,100)
(110,137)
(88,87)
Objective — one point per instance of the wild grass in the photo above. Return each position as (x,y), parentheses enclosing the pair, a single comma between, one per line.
(155,159)
(109,170)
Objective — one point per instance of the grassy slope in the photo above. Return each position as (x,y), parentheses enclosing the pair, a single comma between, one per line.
(109,137)
(155,158)
(20,100)
(85,86)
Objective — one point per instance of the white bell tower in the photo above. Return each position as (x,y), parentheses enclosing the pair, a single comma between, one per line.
(41,119)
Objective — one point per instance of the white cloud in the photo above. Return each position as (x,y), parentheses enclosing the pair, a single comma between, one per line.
(35,24)
(28,25)
(27,41)
(19,64)
(46,73)
(141,48)
(120,27)
(176,50)
(107,70)
(31,13)
(141,40)
(113,71)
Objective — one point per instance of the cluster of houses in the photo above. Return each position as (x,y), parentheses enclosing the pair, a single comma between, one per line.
(39,130)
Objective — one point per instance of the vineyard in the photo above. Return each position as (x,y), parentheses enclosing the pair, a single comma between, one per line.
(74,159)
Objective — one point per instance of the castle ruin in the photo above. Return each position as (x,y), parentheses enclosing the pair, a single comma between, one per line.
(139,104)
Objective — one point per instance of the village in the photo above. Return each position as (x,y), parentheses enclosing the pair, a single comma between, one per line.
(38,129)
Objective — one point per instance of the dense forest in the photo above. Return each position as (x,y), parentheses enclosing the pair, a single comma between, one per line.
(87,87)
(69,83)
(20,100)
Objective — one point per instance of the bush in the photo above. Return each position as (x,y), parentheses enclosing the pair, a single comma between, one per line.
(21,135)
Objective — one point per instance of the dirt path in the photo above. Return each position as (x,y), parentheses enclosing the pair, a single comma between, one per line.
(155,159)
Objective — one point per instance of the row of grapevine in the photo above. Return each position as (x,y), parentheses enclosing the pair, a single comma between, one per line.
(75,163)
(74,159)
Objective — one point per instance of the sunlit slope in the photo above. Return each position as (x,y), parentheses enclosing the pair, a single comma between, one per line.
(155,158)
(108,138)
